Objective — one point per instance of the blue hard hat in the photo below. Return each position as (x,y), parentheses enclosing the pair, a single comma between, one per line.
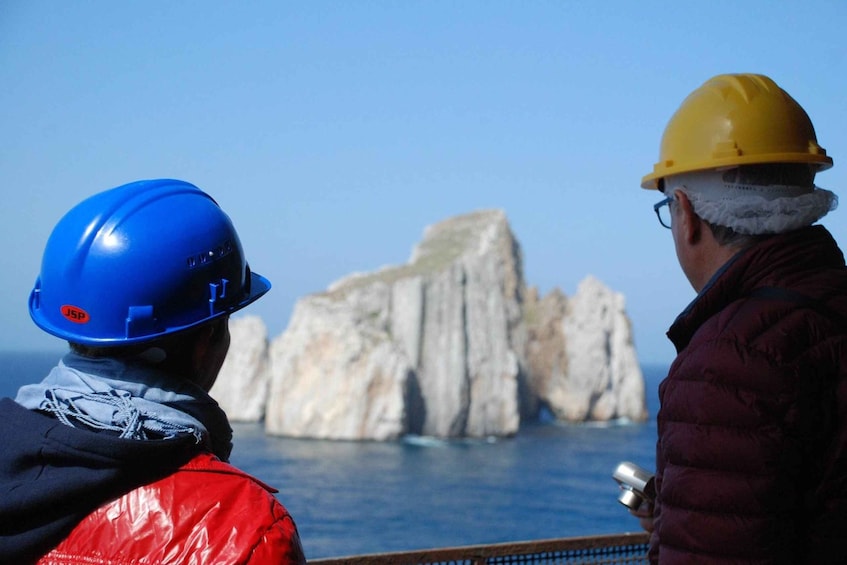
(139,262)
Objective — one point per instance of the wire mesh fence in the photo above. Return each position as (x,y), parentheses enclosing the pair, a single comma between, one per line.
(630,548)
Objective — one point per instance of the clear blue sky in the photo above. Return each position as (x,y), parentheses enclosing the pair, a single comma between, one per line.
(334,132)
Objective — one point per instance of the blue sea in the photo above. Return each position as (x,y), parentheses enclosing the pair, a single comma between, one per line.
(348,498)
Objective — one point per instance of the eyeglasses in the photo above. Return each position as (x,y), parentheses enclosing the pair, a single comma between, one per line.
(663,211)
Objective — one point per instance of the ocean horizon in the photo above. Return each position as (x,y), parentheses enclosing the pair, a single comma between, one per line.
(354,497)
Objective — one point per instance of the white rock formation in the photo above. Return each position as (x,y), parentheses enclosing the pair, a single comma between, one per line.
(546,357)
(432,347)
(603,380)
(337,374)
(452,344)
(242,385)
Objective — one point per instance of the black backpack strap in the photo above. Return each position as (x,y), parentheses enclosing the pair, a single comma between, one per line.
(788,295)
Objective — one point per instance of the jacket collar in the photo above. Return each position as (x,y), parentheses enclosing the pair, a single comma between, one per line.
(781,260)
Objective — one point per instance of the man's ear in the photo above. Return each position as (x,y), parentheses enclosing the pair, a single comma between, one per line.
(207,337)
(690,224)
(210,349)
(201,343)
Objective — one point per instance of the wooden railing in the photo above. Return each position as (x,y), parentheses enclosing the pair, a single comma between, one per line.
(616,548)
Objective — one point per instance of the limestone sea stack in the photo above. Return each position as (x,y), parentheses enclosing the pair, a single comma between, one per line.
(451,344)
(433,347)
(582,360)
(242,385)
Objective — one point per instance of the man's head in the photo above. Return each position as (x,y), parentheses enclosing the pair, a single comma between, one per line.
(741,156)
(142,266)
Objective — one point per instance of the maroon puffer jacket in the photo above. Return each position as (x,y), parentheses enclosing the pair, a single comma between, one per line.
(752,451)
(206,512)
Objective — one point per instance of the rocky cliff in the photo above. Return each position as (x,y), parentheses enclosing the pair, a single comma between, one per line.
(431,347)
(451,344)
(242,385)
(582,360)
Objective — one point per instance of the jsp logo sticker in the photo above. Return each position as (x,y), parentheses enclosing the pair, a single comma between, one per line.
(75,314)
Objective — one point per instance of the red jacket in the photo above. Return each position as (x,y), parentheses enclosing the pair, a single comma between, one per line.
(752,451)
(206,512)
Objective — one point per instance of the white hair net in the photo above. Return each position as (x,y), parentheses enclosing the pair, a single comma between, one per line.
(752,209)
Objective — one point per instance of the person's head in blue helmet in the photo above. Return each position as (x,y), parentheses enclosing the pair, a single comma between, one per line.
(147,264)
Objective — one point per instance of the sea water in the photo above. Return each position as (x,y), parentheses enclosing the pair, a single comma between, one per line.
(550,480)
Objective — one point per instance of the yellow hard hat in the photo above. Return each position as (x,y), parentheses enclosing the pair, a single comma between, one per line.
(738,119)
